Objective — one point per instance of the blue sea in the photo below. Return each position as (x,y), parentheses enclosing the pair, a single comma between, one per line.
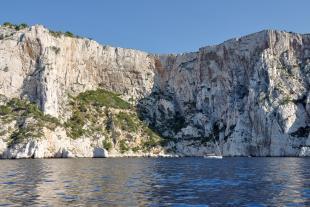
(155,182)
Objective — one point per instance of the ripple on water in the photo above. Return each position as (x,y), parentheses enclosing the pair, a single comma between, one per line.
(156,182)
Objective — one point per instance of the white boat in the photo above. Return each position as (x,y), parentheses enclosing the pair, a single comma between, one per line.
(213,156)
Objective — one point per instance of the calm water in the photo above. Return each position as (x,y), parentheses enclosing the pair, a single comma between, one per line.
(156,182)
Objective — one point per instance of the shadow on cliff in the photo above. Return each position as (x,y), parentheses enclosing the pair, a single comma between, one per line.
(152,110)
(32,83)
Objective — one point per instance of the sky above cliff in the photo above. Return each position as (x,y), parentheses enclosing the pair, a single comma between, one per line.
(160,26)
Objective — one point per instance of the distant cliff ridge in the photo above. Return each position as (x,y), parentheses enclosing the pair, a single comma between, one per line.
(67,96)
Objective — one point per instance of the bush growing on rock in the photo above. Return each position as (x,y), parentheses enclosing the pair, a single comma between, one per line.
(69,34)
(4,110)
(21,26)
(7,24)
(107,145)
(86,107)
(58,34)
(15,26)
(30,118)
(101,97)
(123,146)
(100,112)
(55,33)
(126,122)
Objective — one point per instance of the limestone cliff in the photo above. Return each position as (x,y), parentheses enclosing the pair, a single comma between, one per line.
(250,94)
(46,66)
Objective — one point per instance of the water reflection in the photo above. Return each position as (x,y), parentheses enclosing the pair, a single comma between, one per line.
(155,182)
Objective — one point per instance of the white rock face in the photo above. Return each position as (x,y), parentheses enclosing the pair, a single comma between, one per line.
(251,93)
(45,68)
(56,144)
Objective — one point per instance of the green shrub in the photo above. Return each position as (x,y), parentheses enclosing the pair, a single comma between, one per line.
(101,97)
(82,106)
(15,26)
(123,146)
(4,110)
(75,125)
(153,139)
(17,104)
(286,100)
(150,143)
(107,145)
(69,34)
(125,122)
(59,34)
(88,107)
(34,110)
(8,24)
(21,26)
(21,109)
(23,134)
(135,149)
(17,137)
(56,34)
(24,25)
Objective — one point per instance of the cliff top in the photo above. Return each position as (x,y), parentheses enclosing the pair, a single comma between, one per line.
(8,29)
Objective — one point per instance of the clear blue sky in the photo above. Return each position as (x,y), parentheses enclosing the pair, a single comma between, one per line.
(160,26)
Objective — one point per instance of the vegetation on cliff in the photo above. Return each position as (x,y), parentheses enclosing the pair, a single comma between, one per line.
(98,113)
(28,119)
(15,26)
